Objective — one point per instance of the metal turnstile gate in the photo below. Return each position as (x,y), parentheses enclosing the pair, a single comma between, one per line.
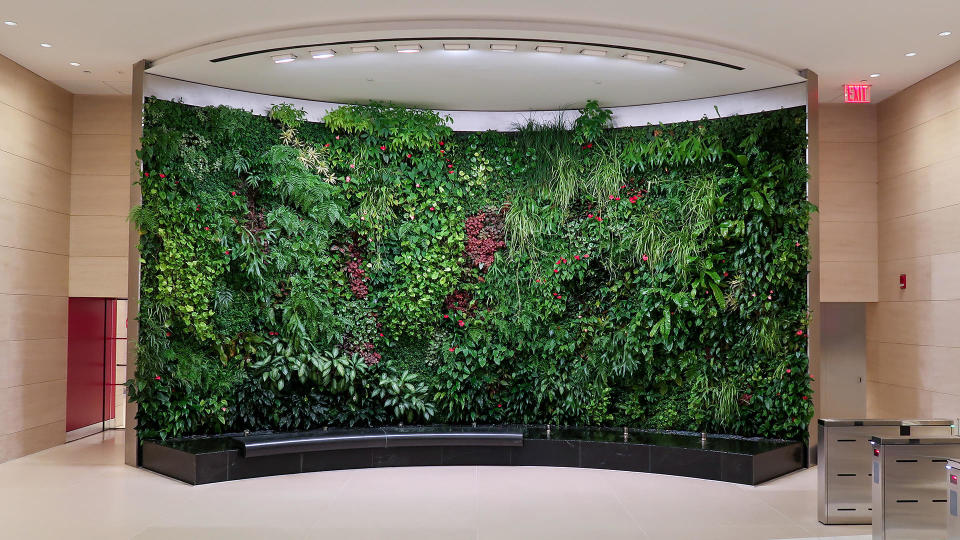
(910,500)
(843,463)
(953,519)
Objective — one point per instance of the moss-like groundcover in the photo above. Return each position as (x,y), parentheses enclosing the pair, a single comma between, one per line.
(379,268)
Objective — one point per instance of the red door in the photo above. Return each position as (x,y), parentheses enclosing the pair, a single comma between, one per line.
(90,362)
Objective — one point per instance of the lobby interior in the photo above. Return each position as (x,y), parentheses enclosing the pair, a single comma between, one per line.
(128,129)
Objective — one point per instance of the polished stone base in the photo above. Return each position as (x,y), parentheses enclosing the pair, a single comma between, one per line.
(729,459)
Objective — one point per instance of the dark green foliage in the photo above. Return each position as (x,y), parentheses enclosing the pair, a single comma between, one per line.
(379,268)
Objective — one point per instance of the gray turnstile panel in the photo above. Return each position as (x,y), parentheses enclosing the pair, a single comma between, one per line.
(910,500)
(953,491)
(843,463)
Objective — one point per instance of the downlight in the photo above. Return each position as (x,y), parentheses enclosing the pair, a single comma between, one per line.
(944,34)
(10,23)
(673,63)
(283,58)
(75,64)
(910,54)
(503,47)
(549,48)
(408,48)
(637,57)
(325,53)
(362,49)
(593,52)
(456,46)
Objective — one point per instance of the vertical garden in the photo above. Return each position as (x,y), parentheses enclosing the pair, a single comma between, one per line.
(379,268)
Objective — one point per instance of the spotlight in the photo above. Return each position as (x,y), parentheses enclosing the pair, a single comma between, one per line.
(636,57)
(408,48)
(456,46)
(503,47)
(673,63)
(593,52)
(549,48)
(326,53)
(283,58)
(364,49)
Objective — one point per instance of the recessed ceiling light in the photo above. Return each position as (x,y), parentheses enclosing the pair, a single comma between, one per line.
(636,57)
(364,49)
(911,54)
(673,63)
(456,46)
(46,45)
(408,48)
(550,48)
(75,64)
(503,47)
(593,52)
(283,58)
(944,34)
(874,75)
(326,53)
(10,23)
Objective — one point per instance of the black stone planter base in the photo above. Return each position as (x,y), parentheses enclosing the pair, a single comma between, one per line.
(729,459)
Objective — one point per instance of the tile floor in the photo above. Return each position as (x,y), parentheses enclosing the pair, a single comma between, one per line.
(83,490)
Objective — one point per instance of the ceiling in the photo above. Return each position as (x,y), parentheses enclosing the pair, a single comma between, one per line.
(841,41)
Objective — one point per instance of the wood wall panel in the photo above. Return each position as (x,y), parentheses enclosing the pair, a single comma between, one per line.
(32,440)
(848,281)
(25,136)
(935,277)
(32,361)
(104,277)
(933,232)
(849,161)
(927,188)
(849,241)
(30,227)
(926,144)
(29,272)
(24,90)
(931,323)
(848,203)
(921,103)
(36,122)
(100,195)
(32,405)
(28,182)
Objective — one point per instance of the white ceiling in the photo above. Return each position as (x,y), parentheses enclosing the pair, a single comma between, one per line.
(841,41)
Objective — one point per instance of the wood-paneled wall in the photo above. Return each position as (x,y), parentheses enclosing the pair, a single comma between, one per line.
(100,196)
(848,203)
(913,342)
(36,122)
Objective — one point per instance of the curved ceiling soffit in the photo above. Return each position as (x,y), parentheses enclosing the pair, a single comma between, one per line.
(373,31)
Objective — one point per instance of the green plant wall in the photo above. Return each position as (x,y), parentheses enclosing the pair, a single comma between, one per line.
(379,268)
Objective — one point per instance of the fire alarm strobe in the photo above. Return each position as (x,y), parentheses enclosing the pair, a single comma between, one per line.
(903,281)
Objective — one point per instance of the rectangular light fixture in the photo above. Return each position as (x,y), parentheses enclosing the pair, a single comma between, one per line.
(673,63)
(364,49)
(325,53)
(408,48)
(456,46)
(550,48)
(283,58)
(593,52)
(636,57)
(503,47)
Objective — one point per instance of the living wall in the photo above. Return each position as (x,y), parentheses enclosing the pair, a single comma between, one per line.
(379,268)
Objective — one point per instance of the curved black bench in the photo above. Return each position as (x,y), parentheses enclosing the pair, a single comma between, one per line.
(352,439)
(202,460)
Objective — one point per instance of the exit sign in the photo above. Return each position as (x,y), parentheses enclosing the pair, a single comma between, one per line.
(856,93)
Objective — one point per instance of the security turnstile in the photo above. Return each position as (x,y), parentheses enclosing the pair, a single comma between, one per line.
(843,463)
(910,500)
(953,519)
